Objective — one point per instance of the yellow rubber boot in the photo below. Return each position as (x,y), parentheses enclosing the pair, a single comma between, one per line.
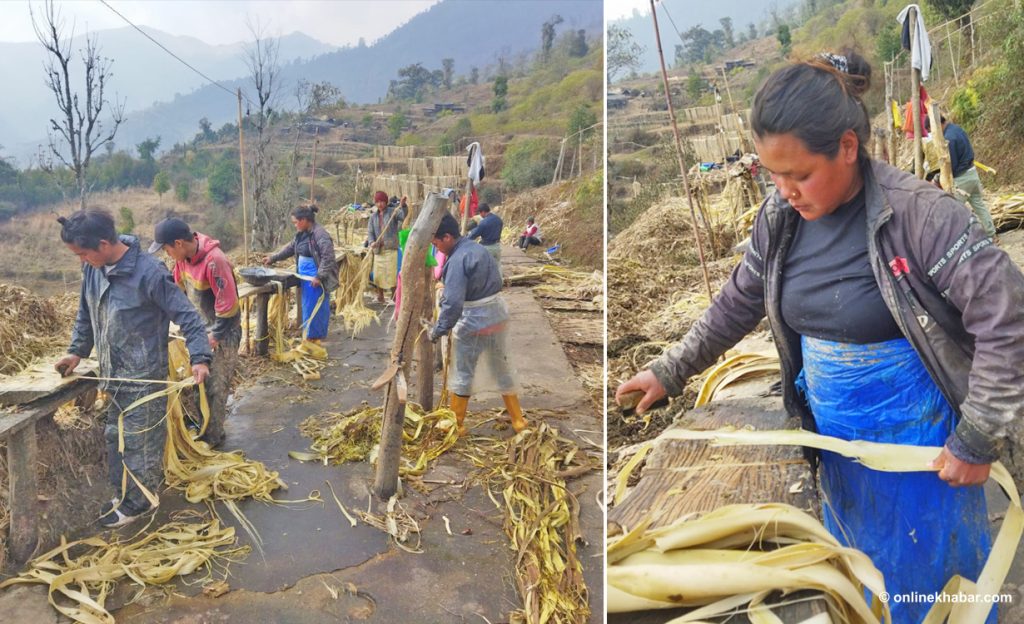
(515,411)
(459,405)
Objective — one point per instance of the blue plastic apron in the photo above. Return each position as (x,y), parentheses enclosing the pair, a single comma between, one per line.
(310,295)
(918,530)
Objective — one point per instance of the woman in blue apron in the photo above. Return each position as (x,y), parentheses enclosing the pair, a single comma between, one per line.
(896,321)
(313,249)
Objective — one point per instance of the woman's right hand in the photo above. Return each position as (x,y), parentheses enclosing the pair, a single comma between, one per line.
(645,382)
(67,364)
(266,261)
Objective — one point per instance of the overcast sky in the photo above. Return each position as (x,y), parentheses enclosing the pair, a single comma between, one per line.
(614,9)
(337,22)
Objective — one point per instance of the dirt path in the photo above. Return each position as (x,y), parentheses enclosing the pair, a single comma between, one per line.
(313,559)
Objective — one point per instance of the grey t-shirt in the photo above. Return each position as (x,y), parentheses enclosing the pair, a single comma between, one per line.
(828,288)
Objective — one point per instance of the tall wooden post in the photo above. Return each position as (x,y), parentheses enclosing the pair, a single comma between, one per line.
(245,212)
(679,154)
(312,177)
(915,98)
(22,458)
(425,349)
(889,119)
(406,331)
(945,163)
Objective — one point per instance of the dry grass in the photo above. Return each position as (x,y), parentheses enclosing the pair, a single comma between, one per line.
(32,327)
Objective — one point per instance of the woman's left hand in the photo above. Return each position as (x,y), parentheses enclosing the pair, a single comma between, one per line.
(315,282)
(957,472)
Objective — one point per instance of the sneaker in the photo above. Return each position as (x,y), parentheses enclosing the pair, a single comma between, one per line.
(114,516)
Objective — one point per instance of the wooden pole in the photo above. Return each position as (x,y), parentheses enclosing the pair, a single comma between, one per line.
(312,177)
(407,329)
(889,120)
(469,197)
(945,163)
(262,325)
(425,349)
(241,164)
(22,459)
(245,212)
(679,154)
(915,98)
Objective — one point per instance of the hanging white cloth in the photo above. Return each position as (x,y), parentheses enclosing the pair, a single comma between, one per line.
(921,51)
(475,162)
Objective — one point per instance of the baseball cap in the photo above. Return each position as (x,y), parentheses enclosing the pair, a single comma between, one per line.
(168,231)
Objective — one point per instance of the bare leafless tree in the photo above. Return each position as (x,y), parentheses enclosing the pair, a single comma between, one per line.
(79,132)
(261,57)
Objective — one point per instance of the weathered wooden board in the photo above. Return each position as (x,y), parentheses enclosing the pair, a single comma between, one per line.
(578,330)
(560,304)
(38,381)
(685,477)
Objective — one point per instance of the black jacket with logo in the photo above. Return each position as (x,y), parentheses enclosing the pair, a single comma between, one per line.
(957,298)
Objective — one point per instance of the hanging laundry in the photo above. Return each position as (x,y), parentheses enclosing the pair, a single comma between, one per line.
(921,52)
(475,162)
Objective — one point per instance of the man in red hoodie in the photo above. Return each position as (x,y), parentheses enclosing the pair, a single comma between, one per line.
(205,274)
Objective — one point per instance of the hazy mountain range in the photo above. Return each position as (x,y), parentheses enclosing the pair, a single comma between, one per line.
(143,74)
(675,17)
(166,99)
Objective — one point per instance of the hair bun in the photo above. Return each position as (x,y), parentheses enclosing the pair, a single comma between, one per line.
(62,220)
(314,208)
(858,73)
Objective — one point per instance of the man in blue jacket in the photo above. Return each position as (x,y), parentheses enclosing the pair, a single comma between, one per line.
(965,174)
(127,303)
(489,233)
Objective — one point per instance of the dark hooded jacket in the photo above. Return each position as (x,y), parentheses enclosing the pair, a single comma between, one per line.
(957,298)
(126,314)
(322,246)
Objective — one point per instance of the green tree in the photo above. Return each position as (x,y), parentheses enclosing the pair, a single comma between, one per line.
(953,9)
(396,123)
(448,71)
(785,39)
(448,142)
(726,22)
(367,120)
(623,53)
(413,82)
(529,163)
(148,148)
(182,191)
(887,42)
(223,181)
(547,36)
(578,44)
(582,122)
(161,184)
(694,85)
(126,221)
(751,31)
(499,102)
(206,133)
(474,75)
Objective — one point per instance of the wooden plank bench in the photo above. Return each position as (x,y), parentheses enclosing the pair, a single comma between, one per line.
(18,429)
(263,293)
(690,477)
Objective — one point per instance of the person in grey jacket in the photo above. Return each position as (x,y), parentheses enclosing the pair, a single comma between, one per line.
(128,300)
(382,239)
(896,319)
(313,249)
(477,317)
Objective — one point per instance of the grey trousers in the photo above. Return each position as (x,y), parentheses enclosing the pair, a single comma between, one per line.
(144,438)
(970,183)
